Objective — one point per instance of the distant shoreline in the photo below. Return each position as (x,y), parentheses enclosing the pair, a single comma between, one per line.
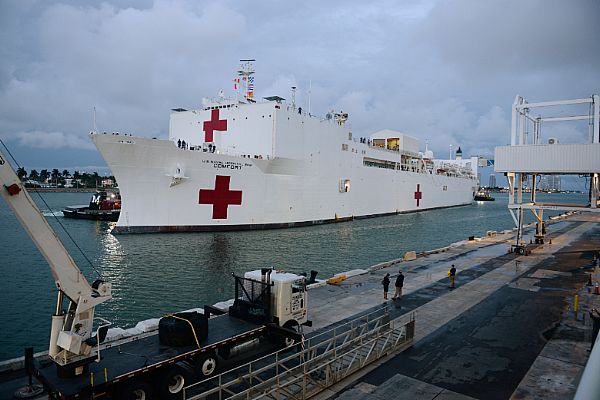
(70,190)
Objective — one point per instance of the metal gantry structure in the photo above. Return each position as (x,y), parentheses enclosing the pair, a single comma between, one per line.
(532,156)
(321,361)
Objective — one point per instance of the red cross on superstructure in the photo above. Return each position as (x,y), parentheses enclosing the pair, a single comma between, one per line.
(418,194)
(214,124)
(221,197)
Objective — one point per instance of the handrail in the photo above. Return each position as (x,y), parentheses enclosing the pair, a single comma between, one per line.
(317,352)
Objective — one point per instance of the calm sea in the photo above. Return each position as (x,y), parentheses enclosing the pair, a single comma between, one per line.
(153,274)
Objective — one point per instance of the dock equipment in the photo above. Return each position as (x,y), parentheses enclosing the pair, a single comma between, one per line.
(322,360)
(545,160)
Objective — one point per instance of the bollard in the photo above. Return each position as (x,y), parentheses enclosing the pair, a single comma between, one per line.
(596,289)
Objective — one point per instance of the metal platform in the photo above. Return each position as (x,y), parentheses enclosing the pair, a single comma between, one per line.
(528,156)
(322,360)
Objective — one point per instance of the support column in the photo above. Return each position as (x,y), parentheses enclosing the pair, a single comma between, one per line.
(595,190)
(596,127)
(520,202)
(513,125)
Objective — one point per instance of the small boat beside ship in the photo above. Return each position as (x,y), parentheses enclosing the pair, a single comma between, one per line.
(104,206)
(483,195)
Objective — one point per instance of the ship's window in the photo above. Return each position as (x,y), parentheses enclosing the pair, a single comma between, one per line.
(246,117)
(269,115)
(349,135)
(344,147)
(344,185)
(373,162)
(263,116)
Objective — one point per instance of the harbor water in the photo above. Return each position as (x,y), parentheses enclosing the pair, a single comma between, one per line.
(154,274)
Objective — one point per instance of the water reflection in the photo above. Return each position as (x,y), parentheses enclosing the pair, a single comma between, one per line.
(221,253)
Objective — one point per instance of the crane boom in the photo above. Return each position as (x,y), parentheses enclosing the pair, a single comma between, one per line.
(69,332)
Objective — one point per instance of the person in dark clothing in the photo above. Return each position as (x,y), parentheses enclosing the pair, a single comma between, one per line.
(179,143)
(452,275)
(399,284)
(386,285)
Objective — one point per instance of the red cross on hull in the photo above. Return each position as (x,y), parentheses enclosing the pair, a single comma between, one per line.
(214,124)
(418,194)
(220,197)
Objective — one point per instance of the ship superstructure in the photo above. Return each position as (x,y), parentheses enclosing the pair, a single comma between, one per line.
(240,164)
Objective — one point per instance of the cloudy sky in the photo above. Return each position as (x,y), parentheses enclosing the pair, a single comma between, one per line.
(446,71)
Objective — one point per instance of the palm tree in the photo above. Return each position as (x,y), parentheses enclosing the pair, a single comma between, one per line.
(66,173)
(44,175)
(55,175)
(85,178)
(96,179)
(33,175)
(76,178)
(21,173)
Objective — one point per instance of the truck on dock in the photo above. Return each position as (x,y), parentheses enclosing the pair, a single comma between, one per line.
(269,306)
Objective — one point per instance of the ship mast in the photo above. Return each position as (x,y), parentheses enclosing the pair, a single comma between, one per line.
(246,73)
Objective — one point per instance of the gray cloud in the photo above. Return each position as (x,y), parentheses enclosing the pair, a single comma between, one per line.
(446,71)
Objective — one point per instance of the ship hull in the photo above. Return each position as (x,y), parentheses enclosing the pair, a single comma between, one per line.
(168,189)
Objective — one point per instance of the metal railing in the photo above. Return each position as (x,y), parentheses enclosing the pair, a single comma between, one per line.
(321,361)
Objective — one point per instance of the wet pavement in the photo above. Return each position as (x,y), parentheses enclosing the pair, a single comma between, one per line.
(486,349)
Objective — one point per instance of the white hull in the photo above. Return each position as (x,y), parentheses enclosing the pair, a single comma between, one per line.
(275,193)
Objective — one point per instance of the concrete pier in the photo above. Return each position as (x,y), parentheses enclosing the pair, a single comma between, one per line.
(508,329)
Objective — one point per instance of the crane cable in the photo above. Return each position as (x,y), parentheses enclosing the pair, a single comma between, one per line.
(55,217)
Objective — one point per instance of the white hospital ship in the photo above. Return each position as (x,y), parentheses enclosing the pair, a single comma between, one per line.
(240,164)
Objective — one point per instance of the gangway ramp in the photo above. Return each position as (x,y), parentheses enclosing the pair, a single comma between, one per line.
(302,371)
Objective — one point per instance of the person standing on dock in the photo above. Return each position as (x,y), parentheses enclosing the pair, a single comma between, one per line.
(399,284)
(386,285)
(452,275)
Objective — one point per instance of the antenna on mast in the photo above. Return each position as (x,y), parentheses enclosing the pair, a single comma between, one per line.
(309,93)
(294,97)
(247,80)
(94,116)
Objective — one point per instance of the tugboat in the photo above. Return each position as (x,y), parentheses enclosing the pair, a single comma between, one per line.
(483,195)
(103,206)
